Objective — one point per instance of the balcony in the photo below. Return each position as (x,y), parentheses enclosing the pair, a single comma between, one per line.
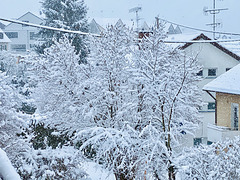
(219,133)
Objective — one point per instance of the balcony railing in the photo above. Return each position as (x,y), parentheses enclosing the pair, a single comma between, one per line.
(219,133)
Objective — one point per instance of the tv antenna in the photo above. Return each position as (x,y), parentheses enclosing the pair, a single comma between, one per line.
(214,13)
(136,10)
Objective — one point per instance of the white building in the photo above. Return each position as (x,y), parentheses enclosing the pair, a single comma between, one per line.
(23,37)
(227,89)
(4,41)
(216,59)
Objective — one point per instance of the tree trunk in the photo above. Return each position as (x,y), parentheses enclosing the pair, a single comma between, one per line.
(121,176)
(171,173)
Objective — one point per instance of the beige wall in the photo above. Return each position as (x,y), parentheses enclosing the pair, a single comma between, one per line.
(224,102)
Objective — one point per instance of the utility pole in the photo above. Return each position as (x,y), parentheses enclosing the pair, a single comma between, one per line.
(214,13)
(136,10)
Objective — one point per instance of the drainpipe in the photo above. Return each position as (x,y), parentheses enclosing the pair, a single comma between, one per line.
(215,105)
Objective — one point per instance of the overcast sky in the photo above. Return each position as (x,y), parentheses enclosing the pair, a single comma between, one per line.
(187,12)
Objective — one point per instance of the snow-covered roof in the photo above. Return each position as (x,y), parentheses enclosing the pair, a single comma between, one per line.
(5,38)
(232,46)
(145,27)
(181,37)
(223,46)
(119,23)
(229,82)
(27,17)
(2,26)
(104,22)
(170,29)
(95,28)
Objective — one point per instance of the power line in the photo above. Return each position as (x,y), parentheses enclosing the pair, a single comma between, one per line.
(84,33)
(198,29)
(203,41)
(47,27)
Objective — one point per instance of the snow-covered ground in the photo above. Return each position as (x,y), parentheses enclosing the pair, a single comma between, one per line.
(96,172)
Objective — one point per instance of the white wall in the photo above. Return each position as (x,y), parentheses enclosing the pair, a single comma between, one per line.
(209,56)
(23,31)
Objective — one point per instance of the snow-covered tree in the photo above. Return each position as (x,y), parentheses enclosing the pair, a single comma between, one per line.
(110,102)
(56,94)
(12,123)
(15,68)
(10,120)
(59,163)
(17,135)
(106,87)
(66,14)
(130,104)
(168,100)
(143,99)
(217,161)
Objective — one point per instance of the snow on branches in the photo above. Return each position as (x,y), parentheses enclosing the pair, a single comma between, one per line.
(57,91)
(217,161)
(147,86)
(65,14)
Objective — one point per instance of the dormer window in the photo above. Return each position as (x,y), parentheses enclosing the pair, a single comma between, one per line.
(1,35)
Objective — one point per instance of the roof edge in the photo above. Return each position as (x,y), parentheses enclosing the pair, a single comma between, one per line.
(217,45)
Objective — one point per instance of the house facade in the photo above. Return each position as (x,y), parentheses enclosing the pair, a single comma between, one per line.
(215,60)
(23,37)
(227,89)
(4,41)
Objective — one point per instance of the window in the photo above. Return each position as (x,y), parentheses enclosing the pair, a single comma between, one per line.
(200,73)
(212,72)
(12,34)
(1,35)
(200,108)
(33,36)
(32,46)
(3,47)
(209,142)
(18,47)
(211,106)
(234,116)
(197,141)
(227,69)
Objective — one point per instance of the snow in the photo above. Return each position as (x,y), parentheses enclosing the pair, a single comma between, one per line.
(181,37)
(232,46)
(145,27)
(5,38)
(47,27)
(228,82)
(7,171)
(105,22)
(96,172)
(95,28)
